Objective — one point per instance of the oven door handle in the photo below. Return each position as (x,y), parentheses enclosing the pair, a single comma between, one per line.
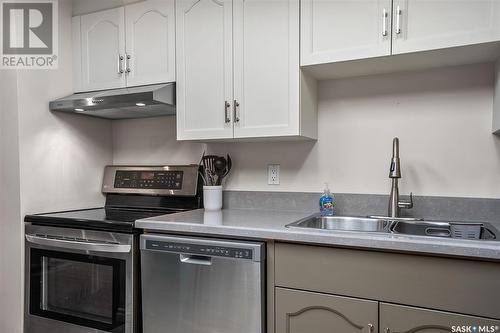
(79,245)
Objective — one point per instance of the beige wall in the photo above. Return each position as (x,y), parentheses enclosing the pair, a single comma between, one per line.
(62,156)
(496,102)
(443,118)
(151,141)
(48,162)
(11,231)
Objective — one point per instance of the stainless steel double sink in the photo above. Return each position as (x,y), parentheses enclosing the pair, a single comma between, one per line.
(403,226)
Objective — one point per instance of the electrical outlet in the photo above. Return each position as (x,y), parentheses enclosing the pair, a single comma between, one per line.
(273,174)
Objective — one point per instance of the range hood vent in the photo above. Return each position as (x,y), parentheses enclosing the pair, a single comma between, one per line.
(125,103)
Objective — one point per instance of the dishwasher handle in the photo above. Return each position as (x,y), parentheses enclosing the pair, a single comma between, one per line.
(195,259)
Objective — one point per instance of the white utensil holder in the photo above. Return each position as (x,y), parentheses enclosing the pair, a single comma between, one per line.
(212,198)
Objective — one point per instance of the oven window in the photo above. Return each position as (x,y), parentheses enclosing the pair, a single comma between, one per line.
(79,289)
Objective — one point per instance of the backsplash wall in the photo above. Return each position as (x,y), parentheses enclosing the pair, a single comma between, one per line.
(69,151)
(442,117)
(49,161)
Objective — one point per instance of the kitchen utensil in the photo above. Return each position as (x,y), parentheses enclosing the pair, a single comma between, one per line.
(214,169)
(220,165)
(209,169)
(202,169)
(229,166)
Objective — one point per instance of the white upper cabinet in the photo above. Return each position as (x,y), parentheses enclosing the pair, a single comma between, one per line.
(336,31)
(339,30)
(126,46)
(102,43)
(204,69)
(266,68)
(421,25)
(150,42)
(261,94)
(76,35)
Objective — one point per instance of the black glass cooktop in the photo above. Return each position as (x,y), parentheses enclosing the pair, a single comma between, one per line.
(121,219)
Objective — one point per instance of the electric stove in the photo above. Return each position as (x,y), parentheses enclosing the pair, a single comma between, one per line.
(82,266)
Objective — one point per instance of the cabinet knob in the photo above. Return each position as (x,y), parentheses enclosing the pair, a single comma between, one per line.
(370,328)
(120,64)
(387,330)
(384,22)
(227,107)
(399,12)
(127,64)
(236,111)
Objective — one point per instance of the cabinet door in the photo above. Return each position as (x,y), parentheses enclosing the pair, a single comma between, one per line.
(339,30)
(76,36)
(103,42)
(404,319)
(420,25)
(266,68)
(150,42)
(204,69)
(305,312)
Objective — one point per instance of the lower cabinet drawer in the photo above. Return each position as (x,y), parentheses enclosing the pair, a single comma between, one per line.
(455,285)
(306,312)
(402,319)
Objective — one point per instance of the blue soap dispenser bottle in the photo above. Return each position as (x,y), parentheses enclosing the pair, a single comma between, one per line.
(326,202)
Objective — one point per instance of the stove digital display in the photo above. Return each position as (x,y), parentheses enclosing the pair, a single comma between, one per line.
(161,180)
(147,175)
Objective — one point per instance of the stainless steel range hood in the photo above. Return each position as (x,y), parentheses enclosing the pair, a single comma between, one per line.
(125,103)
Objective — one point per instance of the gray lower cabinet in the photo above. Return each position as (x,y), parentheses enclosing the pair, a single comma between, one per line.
(405,319)
(446,284)
(439,294)
(306,312)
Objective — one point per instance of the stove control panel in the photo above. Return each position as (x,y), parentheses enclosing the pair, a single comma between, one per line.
(177,180)
(167,180)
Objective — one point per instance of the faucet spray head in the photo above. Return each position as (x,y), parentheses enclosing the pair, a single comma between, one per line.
(395,169)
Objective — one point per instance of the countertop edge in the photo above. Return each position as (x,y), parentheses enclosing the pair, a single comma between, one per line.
(478,250)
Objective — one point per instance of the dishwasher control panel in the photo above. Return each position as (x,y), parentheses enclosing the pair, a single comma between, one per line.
(203,250)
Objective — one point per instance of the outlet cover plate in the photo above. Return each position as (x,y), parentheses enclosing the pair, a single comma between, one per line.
(273,174)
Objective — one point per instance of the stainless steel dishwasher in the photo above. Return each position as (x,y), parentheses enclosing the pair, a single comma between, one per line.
(202,285)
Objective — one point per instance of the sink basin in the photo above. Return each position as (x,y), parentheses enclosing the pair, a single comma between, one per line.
(461,230)
(346,223)
(403,226)
(437,229)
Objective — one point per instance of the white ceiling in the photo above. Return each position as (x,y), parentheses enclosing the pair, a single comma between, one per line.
(89,6)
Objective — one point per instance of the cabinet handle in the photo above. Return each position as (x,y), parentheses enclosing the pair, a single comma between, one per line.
(399,12)
(384,22)
(370,328)
(387,330)
(120,64)
(236,111)
(227,107)
(127,63)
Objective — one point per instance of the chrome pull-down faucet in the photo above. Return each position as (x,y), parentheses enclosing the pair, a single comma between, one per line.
(395,205)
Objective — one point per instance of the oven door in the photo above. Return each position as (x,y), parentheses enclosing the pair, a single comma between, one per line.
(78,281)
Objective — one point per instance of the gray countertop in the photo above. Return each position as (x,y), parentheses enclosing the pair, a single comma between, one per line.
(270,225)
